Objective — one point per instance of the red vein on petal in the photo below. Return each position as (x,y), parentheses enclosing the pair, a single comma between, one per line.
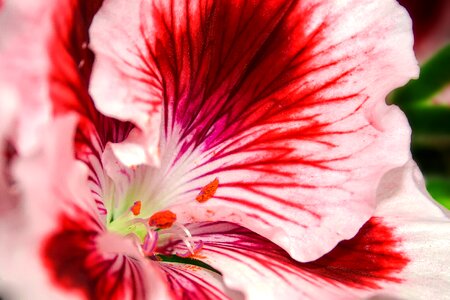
(186,284)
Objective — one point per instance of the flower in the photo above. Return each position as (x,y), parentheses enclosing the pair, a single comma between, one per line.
(214,150)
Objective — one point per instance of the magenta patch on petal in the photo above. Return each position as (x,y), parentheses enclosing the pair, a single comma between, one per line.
(74,263)
(366,260)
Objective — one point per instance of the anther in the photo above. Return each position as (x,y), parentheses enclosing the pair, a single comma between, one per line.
(208,191)
(162,219)
(136,208)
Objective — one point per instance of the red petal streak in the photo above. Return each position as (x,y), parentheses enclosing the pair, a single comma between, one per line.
(191,282)
(74,263)
(263,92)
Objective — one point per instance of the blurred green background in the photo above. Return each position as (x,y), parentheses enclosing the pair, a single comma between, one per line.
(426,100)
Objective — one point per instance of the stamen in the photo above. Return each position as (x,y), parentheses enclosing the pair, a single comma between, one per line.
(208,191)
(136,208)
(162,219)
(192,251)
(150,242)
(192,247)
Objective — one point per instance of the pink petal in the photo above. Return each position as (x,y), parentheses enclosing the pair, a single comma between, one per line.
(52,73)
(44,184)
(116,85)
(282,102)
(262,270)
(402,252)
(18,20)
(113,85)
(51,77)
(70,62)
(424,229)
(56,60)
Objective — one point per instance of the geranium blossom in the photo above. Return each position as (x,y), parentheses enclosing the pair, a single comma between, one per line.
(217,150)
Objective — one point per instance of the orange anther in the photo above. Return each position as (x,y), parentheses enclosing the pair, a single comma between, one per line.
(208,191)
(136,208)
(162,219)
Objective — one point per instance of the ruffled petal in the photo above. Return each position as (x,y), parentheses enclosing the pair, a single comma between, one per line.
(400,253)
(121,87)
(282,102)
(262,270)
(423,227)
(124,85)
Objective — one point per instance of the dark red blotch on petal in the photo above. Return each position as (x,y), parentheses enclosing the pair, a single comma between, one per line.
(371,257)
(75,264)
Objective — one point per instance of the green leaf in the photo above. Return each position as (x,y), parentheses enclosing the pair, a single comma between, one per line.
(186,260)
(439,188)
(430,125)
(429,119)
(434,76)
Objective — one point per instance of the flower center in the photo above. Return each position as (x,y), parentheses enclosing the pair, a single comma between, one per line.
(158,230)
(155,230)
